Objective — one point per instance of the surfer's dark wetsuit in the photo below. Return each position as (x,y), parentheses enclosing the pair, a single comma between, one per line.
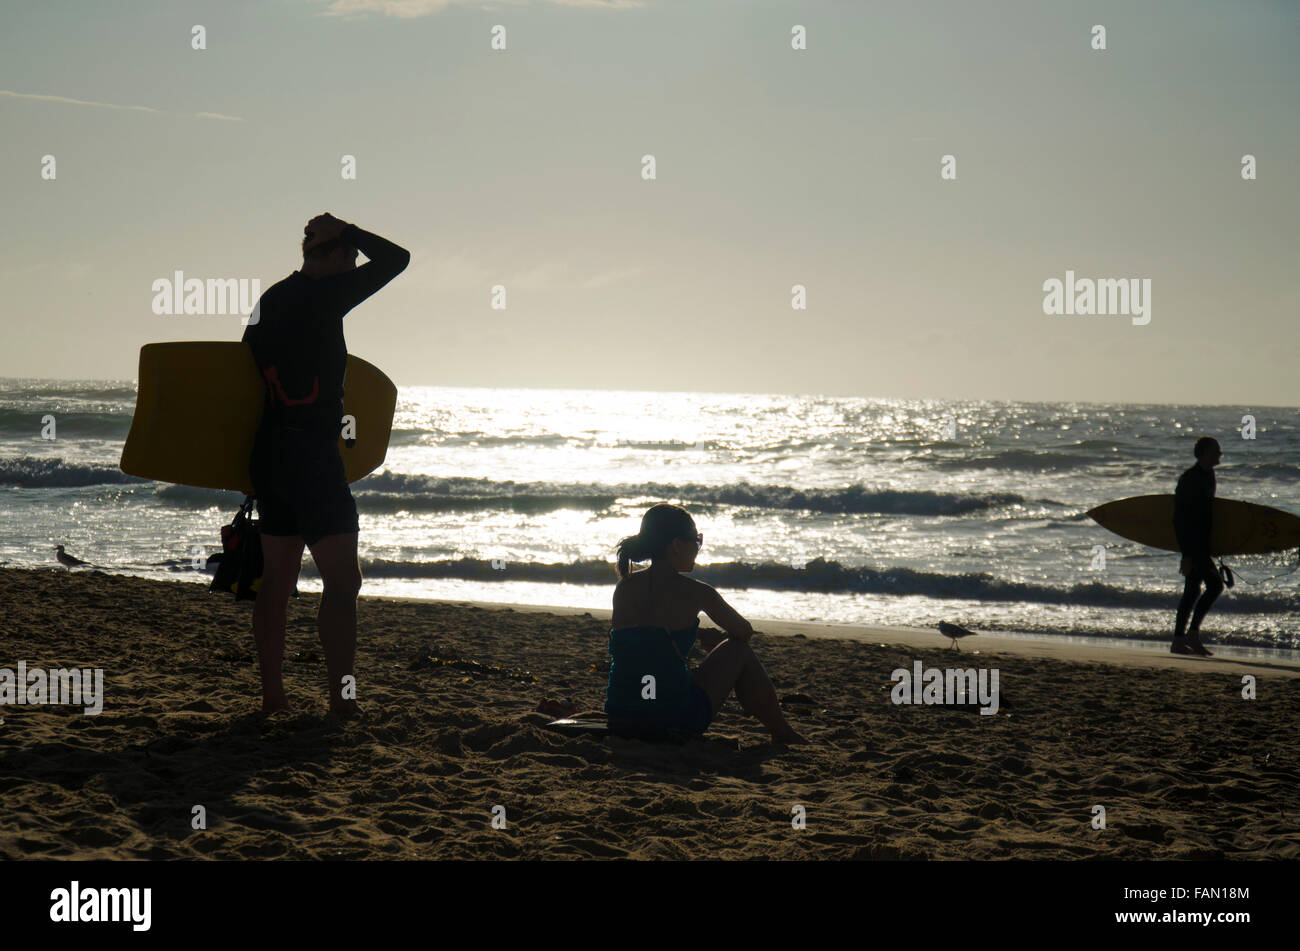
(1193,506)
(298,344)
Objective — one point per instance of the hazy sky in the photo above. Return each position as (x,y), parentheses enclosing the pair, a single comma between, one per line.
(775,167)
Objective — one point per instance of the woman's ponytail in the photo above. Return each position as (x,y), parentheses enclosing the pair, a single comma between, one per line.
(630,549)
(659,526)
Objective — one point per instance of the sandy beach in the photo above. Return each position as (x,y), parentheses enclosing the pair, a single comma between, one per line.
(1183,765)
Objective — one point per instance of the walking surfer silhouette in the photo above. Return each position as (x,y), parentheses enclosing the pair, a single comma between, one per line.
(1193,509)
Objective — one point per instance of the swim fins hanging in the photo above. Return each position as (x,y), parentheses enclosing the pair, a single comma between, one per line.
(1226,574)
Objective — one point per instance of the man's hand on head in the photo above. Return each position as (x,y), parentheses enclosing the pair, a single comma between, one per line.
(322,228)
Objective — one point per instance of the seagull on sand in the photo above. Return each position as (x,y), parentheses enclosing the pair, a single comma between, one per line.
(954,631)
(67,560)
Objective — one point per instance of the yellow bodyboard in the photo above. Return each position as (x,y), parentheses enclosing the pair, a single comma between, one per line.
(198,406)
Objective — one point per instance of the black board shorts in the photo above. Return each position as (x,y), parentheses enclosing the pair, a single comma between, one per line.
(300,484)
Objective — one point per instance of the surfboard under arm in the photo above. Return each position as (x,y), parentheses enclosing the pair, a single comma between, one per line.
(198,406)
(1236,528)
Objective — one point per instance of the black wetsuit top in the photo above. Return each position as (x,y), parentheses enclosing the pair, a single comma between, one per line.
(1193,505)
(298,338)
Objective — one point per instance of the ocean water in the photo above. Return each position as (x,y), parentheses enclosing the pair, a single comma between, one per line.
(859,511)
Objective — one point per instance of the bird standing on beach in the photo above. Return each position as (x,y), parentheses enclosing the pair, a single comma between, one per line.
(67,561)
(954,631)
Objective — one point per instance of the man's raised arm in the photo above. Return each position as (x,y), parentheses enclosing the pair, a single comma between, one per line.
(386,261)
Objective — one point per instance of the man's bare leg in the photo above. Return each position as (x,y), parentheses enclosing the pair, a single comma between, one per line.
(340,571)
(281,561)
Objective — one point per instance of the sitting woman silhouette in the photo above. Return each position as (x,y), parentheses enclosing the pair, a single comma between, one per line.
(655,625)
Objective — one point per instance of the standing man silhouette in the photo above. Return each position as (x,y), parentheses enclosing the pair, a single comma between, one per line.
(1193,508)
(302,492)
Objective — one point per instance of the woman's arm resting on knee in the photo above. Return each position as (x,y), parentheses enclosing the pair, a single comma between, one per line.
(710,638)
(724,615)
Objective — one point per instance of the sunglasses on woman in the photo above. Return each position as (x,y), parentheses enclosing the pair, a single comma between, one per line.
(698,538)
